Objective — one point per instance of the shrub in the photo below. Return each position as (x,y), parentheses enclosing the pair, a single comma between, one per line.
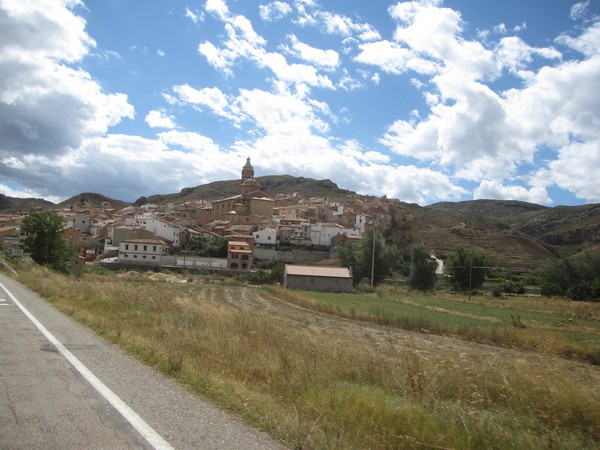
(551,289)
(513,287)
(497,290)
(580,291)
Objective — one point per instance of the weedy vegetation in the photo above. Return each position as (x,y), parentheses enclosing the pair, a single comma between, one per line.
(337,372)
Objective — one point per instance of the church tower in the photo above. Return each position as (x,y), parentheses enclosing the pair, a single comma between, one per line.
(247,171)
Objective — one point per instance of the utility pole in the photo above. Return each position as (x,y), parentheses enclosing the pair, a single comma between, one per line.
(373,257)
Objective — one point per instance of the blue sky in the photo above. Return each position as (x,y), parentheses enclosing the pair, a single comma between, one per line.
(424,101)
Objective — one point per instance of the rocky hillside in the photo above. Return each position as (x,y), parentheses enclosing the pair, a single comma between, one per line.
(91,200)
(14,205)
(271,185)
(514,235)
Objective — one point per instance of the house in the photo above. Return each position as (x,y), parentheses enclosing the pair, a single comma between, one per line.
(239,253)
(322,233)
(328,279)
(161,228)
(142,251)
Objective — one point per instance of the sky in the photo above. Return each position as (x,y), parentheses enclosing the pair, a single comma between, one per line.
(424,101)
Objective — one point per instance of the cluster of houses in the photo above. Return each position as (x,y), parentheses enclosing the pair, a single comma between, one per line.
(287,228)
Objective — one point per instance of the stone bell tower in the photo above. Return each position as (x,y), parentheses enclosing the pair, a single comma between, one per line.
(247,171)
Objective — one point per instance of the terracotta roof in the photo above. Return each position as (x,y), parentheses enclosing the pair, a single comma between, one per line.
(314,271)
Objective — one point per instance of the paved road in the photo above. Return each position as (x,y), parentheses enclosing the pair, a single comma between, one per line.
(68,389)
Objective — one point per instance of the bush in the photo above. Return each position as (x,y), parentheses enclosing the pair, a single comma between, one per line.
(513,287)
(551,290)
(579,292)
(259,276)
(497,290)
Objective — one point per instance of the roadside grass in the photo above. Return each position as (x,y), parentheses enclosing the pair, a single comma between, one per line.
(556,326)
(313,384)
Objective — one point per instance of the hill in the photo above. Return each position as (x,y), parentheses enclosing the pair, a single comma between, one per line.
(271,185)
(14,205)
(514,235)
(91,200)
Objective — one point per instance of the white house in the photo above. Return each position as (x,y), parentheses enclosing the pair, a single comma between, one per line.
(142,251)
(266,236)
(321,233)
(161,228)
(80,222)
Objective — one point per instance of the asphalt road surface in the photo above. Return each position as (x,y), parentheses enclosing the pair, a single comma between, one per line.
(62,387)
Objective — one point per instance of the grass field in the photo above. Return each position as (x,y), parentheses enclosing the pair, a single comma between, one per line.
(323,380)
(570,329)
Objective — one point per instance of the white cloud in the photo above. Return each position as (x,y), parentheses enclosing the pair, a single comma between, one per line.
(243,42)
(327,59)
(345,27)
(492,189)
(194,16)
(393,58)
(433,32)
(514,54)
(158,119)
(588,43)
(579,10)
(274,11)
(218,7)
(46,106)
(211,98)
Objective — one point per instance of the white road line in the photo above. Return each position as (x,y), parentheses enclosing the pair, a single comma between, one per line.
(129,414)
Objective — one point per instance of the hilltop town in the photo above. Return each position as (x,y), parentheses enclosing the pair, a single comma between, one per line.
(256,227)
(237,226)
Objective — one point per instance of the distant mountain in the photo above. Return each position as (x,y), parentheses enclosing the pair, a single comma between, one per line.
(15,205)
(271,185)
(91,200)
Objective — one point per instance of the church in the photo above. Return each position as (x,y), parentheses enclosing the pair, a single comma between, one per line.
(251,206)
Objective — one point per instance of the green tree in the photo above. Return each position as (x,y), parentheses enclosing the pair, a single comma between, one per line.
(369,257)
(422,269)
(218,248)
(277,272)
(467,269)
(44,241)
(575,278)
(197,243)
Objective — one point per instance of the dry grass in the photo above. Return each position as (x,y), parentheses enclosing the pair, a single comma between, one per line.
(316,381)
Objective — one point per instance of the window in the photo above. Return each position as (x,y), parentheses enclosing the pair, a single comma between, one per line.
(154,248)
(126,246)
(145,247)
(135,256)
(135,247)
(154,257)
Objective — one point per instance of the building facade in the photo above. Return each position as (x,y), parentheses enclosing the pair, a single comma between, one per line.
(313,278)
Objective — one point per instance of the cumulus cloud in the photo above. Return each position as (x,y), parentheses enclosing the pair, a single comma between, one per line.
(158,119)
(47,107)
(274,11)
(327,59)
(288,103)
